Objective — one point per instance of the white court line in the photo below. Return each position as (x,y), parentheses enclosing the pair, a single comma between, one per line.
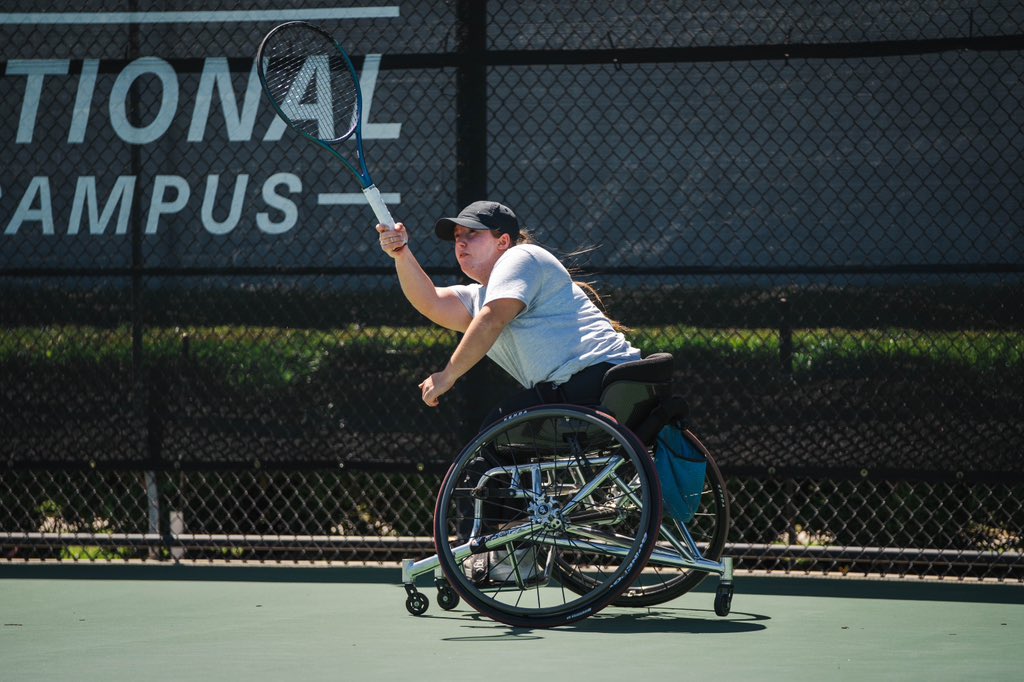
(213,16)
(354,199)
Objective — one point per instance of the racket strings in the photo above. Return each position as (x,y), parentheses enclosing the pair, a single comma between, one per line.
(311,83)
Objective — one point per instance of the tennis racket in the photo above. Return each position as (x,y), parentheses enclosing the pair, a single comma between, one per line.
(311,83)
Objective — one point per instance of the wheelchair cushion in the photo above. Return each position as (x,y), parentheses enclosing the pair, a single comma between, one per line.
(631,390)
(654,369)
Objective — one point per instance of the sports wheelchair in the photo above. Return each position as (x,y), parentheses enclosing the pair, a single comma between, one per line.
(554,512)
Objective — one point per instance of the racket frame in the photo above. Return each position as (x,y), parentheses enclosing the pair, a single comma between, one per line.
(361,171)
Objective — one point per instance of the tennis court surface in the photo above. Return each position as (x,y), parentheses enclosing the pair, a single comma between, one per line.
(254,623)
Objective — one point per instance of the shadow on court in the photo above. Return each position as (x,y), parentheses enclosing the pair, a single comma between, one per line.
(636,621)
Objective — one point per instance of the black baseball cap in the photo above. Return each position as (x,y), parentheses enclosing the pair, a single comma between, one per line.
(480,215)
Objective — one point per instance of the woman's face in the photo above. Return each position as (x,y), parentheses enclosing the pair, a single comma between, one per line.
(478,250)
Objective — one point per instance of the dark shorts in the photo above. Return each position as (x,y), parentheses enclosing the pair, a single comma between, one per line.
(582,388)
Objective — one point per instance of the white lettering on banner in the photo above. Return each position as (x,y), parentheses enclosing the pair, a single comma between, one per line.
(275,200)
(215,77)
(89,212)
(171,194)
(316,69)
(368,83)
(239,124)
(355,198)
(212,225)
(162,206)
(86,198)
(35,70)
(39,186)
(83,101)
(126,129)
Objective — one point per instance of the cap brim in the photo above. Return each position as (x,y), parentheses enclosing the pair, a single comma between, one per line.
(445,227)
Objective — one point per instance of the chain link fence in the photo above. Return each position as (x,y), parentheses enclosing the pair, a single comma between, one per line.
(816,207)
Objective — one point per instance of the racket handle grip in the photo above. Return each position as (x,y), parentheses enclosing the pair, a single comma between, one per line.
(380,209)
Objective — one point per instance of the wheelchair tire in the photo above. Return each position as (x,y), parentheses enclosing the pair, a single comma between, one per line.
(709,528)
(550,485)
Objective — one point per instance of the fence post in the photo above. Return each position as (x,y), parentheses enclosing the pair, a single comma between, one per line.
(475,392)
(471,102)
(141,397)
(785,338)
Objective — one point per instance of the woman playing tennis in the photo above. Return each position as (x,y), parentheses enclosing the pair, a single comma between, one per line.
(524,312)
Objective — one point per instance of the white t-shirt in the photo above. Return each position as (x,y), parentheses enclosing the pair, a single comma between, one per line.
(559,333)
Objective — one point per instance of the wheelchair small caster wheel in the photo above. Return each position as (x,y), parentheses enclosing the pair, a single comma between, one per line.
(447,598)
(723,599)
(417,603)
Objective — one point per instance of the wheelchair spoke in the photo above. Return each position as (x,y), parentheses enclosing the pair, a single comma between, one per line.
(558,490)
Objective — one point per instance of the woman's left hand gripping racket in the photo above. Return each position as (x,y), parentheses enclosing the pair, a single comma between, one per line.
(314,88)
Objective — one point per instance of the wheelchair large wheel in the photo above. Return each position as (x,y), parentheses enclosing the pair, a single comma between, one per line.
(708,529)
(551,485)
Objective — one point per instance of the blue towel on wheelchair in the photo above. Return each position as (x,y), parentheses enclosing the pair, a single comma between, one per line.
(681,467)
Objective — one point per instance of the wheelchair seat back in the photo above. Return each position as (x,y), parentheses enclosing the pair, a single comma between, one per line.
(632,390)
